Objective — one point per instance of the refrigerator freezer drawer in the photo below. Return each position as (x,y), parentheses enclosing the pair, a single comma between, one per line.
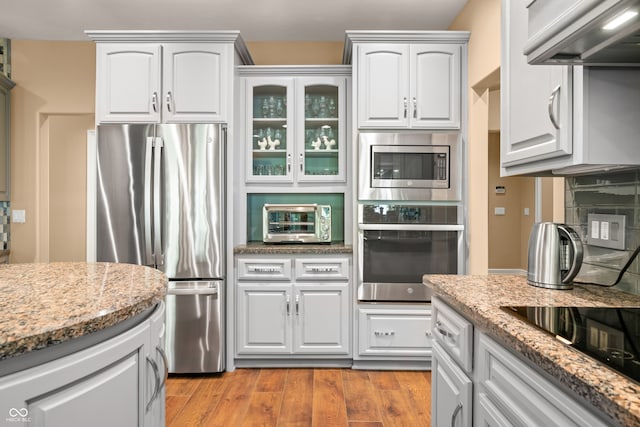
(195,327)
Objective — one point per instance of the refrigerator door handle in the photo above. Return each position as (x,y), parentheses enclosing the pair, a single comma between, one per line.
(157,235)
(148,168)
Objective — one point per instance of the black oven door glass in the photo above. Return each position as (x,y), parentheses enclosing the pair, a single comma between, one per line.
(405,256)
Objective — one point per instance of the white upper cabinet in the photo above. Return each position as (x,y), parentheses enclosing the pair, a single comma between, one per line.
(536,101)
(562,120)
(195,81)
(296,124)
(403,85)
(168,77)
(128,82)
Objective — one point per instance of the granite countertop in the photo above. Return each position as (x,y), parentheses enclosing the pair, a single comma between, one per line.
(46,304)
(312,249)
(479,297)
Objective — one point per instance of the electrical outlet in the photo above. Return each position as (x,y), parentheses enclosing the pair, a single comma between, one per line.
(606,230)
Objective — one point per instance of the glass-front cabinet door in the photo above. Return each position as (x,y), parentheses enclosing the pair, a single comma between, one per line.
(322,132)
(271,152)
(296,129)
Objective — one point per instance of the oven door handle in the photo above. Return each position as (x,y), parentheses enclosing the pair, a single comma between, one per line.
(409,227)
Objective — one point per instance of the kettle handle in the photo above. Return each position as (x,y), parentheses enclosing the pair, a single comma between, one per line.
(576,244)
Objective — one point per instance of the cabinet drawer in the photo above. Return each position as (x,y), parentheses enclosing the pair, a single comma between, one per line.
(322,269)
(264,269)
(389,332)
(454,333)
(522,395)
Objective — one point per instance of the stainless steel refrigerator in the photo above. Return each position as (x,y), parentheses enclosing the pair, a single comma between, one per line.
(161,203)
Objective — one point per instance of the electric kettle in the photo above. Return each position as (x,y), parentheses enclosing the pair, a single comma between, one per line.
(555,256)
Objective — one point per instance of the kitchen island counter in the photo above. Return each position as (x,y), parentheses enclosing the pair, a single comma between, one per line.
(46,304)
(292,249)
(479,299)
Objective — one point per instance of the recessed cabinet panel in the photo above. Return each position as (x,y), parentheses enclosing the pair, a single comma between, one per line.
(436,88)
(264,325)
(195,77)
(322,318)
(389,332)
(452,392)
(128,82)
(383,85)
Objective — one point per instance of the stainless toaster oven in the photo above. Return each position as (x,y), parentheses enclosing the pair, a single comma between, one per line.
(303,223)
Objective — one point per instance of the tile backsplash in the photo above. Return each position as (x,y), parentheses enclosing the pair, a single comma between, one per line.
(5,235)
(611,193)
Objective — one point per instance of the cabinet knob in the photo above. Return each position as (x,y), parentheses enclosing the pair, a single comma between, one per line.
(301,162)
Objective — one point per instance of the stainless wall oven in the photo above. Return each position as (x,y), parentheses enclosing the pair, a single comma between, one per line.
(409,166)
(399,243)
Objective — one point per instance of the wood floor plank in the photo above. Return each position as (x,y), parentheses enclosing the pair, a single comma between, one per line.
(235,399)
(202,402)
(329,407)
(419,388)
(173,406)
(384,380)
(397,409)
(300,398)
(360,397)
(271,380)
(264,409)
(182,385)
(297,401)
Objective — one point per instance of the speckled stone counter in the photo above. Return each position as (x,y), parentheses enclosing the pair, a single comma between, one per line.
(311,249)
(479,299)
(47,304)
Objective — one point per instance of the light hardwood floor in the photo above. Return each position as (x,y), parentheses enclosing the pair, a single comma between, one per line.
(300,397)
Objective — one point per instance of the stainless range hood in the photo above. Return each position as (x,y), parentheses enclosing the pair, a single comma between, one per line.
(573,32)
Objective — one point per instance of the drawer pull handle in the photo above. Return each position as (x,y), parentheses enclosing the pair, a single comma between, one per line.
(265,270)
(443,331)
(384,333)
(323,269)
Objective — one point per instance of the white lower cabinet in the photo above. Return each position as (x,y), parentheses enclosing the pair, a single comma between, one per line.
(514,392)
(451,392)
(394,331)
(107,384)
(292,313)
(498,388)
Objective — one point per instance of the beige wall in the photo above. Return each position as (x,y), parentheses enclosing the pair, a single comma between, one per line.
(52,79)
(482,18)
(296,53)
(509,233)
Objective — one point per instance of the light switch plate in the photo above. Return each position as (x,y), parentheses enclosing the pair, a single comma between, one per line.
(606,230)
(18,216)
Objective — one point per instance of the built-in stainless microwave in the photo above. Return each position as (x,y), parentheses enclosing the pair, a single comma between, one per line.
(300,223)
(409,166)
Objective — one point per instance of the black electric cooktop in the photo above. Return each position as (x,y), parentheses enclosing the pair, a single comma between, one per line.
(609,335)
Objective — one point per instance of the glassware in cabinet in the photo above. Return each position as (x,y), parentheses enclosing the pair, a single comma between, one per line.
(320,157)
(270,154)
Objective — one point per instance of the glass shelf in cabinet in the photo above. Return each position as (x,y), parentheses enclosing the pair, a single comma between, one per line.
(269,152)
(321,152)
